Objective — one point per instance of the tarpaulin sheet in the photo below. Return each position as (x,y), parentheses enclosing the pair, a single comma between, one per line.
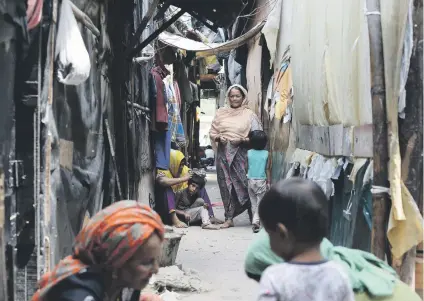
(331,62)
(207,49)
(253,76)
(78,151)
(406,223)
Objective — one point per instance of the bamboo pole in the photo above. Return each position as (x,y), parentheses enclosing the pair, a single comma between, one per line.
(381,199)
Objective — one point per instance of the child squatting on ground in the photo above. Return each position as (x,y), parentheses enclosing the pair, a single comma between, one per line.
(295,214)
(258,174)
(190,207)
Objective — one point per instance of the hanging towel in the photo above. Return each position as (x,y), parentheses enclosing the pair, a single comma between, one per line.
(174,120)
(283,86)
(158,98)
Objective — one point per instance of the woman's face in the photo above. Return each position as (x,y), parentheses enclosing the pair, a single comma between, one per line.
(236,98)
(137,271)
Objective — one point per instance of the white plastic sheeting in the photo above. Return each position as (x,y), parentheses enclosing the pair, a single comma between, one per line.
(278,30)
(331,62)
(207,49)
(321,170)
(272,28)
(253,76)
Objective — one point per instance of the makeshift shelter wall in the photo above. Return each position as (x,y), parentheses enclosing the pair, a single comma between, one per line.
(405,229)
(278,35)
(331,79)
(74,123)
(140,125)
(331,63)
(254,57)
(330,66)
(322,87)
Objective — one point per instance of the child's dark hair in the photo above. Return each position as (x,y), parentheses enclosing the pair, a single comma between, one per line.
(199,180)
(258,139)
(174,146)
(300,205)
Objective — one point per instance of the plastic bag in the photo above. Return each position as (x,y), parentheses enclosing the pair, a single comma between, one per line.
(73,59)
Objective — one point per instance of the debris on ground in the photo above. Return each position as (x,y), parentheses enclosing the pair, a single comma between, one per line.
(170,247)
(175,279)
(169,296)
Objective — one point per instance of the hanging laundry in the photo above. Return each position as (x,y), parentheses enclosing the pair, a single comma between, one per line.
(283,85)
(177,94)
(162,149)
(175,125)
(194,91)
(269,94)
(34,12)
(181,77)
(158,99)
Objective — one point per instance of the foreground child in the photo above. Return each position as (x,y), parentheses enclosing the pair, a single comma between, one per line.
(190,207)
(294,213)
(259,173)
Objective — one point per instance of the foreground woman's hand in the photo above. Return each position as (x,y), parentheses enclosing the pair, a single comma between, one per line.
(150,297)
(222,140)
(237,142)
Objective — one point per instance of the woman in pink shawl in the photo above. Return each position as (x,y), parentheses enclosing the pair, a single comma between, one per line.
(229,136)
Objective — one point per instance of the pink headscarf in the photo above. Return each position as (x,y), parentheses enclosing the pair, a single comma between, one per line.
(232,123)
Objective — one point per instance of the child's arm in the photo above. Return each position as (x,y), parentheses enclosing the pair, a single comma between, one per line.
(268,169)
(178,198)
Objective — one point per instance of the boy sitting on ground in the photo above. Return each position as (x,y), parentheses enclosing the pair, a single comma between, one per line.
(190,207)
(295,215)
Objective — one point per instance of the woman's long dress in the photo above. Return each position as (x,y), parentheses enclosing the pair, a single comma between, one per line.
(231,169)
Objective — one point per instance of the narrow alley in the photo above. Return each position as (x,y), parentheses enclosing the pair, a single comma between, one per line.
(125,126)
(218,256)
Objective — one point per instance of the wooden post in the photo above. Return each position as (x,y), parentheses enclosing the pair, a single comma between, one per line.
(46,218)
(381,200)
(165,25)
(3,271)
(411,137)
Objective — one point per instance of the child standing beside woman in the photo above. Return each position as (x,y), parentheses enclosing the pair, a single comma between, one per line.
(259,173)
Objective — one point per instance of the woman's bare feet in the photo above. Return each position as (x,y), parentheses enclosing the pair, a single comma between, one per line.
(210,227)
(228,224)
(177,223)
(216,221)
(180,224)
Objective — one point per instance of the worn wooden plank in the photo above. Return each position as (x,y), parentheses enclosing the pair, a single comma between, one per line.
(347,141)
(362,141)
(321,140)
(336,140)
(304,137)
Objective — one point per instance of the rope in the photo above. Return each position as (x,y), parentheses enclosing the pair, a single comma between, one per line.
(380,190)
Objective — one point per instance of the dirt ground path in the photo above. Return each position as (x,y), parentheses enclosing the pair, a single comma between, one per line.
(218,256)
